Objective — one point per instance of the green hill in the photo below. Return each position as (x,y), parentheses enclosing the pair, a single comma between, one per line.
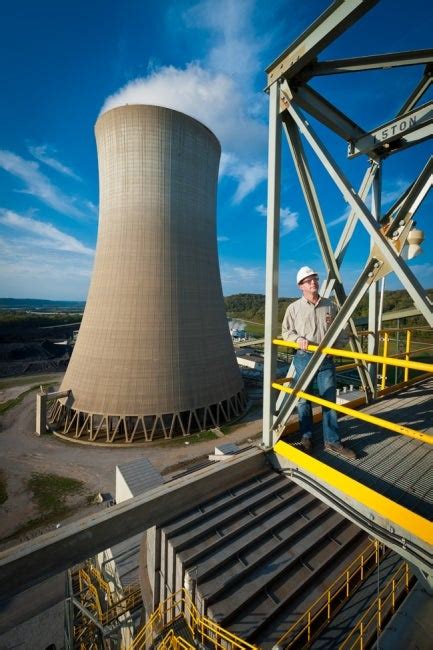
(251,306)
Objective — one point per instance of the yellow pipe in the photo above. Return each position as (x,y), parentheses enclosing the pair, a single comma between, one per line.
(403,384)
(348,366)
(413,352)
(375,358)
(398,428)
(421,328)
(384,507)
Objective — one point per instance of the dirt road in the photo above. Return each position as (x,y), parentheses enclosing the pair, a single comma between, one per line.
(22,452)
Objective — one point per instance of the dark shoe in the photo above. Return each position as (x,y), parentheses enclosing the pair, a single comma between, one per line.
(306,444)
(341,450)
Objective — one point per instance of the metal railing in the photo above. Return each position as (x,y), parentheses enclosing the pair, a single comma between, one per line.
(426,368)
(109,609)
(89,594)
(179,605)
(320,613)
(373,620)
(408,352)
(172,642)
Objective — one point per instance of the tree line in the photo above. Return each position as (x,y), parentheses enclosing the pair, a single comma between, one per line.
(251,306)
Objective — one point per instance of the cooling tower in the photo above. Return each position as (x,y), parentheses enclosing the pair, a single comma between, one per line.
(154,356)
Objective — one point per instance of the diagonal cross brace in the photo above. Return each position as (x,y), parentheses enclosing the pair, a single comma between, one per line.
(335,20)
(313,205)
(405,275)
(366,278)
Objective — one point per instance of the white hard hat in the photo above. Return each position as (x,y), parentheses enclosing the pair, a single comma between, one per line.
(304,272)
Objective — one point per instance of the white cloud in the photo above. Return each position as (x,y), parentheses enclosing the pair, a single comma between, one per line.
(217,90)
(222,238)
(48,236)
(38,185)
(91,207)
(393,191)
(424,272)
(212,98)
(342,218)
(237,47)
(289,219)
(54,274)
(45,154)
(242,279)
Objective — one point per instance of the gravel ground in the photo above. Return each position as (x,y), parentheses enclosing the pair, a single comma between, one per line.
(22,452)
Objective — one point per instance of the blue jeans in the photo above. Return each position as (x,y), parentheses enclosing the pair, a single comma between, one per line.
(326,388)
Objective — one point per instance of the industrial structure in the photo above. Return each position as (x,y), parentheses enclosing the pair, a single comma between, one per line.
(272,547)
(292,101)
(153,357)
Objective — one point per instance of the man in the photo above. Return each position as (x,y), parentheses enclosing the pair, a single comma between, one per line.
(306,321)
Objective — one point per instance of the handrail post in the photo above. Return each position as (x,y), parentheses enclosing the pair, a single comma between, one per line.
(379,615)
(385,354)
(407,354)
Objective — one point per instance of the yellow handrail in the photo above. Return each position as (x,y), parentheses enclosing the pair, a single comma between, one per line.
(420,328)
(384,360)
(179,605)
(87,584)
(172,642)
(384,509)
(348,366)
(373,617)
(361,415)
(413,352)
(325,601)
(349,354)
(101,581)
(131,599)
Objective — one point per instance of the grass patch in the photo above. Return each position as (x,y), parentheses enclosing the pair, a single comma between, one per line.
(50,491)
(11,403)
(192,439)
(23,380)
(3,487)
(42,520)
(230,428)
(255,329)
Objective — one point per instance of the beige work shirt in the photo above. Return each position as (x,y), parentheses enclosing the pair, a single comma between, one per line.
(309,321)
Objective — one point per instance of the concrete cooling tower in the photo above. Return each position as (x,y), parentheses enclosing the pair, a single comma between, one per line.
(153,357)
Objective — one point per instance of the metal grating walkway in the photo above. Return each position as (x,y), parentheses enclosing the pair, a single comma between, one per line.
(388,489)
(392,464)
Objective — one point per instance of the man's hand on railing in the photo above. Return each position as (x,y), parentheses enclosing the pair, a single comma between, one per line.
(303,343)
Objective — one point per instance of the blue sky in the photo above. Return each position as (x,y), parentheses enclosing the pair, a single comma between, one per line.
(63,63)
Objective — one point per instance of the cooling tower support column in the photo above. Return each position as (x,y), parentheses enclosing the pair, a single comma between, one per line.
(41,412)
(153,357)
